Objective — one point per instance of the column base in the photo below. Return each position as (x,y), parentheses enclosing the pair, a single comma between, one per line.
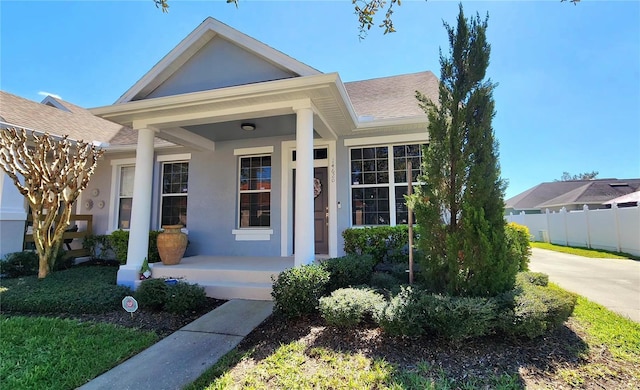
(129,277)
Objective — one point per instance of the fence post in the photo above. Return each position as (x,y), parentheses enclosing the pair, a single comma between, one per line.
(563,212)
(614,207)
(585,209)
(548,227)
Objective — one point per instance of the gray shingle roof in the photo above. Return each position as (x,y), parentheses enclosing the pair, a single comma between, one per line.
(75,121)
(393,96)
(561,193)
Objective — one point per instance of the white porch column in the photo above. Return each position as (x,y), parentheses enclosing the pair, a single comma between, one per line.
(140,210)
(304,232)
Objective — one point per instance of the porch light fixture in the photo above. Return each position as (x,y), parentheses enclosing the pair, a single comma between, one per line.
(248,126)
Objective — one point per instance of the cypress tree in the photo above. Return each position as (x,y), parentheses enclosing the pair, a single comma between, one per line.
(460,205)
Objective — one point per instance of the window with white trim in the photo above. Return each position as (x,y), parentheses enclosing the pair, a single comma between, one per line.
(125,195)
(379,183)
(254,191)
(175,190)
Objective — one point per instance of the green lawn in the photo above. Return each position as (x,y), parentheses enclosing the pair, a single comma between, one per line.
(52,353)
(585,252)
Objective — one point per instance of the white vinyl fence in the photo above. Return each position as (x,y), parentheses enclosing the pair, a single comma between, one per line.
(615,229)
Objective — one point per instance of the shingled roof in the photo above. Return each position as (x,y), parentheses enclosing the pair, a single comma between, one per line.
(392,97)
(572,192)
(59,117)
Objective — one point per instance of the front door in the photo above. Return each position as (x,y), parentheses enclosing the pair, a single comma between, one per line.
(320,209)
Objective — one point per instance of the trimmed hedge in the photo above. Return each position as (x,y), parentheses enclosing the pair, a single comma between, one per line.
(416,312)
(348,271)
(27,263)
(388,244)
(297,291)
(518,243)
(119,241)
(536,278)
(179,298)
(348,307)
(531,310)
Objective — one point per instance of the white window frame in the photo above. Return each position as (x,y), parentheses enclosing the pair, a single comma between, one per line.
(391,185)
(254,233)
(170,159)
(114,207)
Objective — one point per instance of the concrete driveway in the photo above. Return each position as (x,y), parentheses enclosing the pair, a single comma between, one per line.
(614,284)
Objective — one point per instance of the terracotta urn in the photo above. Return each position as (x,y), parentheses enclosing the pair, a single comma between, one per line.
(172,243)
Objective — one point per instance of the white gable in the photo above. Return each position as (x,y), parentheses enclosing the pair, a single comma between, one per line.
(219,64)
(214,56)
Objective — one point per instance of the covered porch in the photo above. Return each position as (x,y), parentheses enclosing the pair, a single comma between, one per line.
(282,116)
(228,277)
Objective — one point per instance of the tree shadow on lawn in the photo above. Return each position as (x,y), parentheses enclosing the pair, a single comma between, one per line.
(482,360)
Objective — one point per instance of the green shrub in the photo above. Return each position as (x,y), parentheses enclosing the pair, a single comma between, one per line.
(179,298)
(99,245)
(152,294)
(296,291)
(415,312)
(349,307)
(518,244)
(26,263)
(459,318)
(531,310)
(119,241)
(77,290)
(404,315)
(383,280)
(537,278)
(349,271)
(19,264)
(385,243)
(183,298)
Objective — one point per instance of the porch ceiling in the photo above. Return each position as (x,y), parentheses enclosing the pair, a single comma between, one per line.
(216,115)
(272,126)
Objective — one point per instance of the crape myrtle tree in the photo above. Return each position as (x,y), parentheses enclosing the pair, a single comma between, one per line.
(51,173)
(459,204)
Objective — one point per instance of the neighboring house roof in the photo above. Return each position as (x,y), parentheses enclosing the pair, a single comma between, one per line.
(59,117)
(572,192)
(391,97)
(196,40)
(628,198)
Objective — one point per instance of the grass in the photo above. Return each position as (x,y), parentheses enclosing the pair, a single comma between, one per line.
(295,366)
(618,334)
(606,333)
(53,353)
(77,290)
(585,252)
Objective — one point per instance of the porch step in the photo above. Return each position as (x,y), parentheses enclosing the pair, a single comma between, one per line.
(231,290)
(227,277)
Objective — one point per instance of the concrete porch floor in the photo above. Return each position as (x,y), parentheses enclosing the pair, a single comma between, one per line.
(227,277)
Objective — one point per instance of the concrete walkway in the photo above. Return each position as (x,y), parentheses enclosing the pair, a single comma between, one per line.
(182,357)
(614,284)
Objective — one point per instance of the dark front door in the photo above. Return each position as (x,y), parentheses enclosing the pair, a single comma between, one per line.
(320,209)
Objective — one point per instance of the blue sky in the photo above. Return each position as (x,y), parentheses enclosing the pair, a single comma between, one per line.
(569,76)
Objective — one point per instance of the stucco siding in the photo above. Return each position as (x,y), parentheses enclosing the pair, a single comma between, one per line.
(213,201)
(219,64)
